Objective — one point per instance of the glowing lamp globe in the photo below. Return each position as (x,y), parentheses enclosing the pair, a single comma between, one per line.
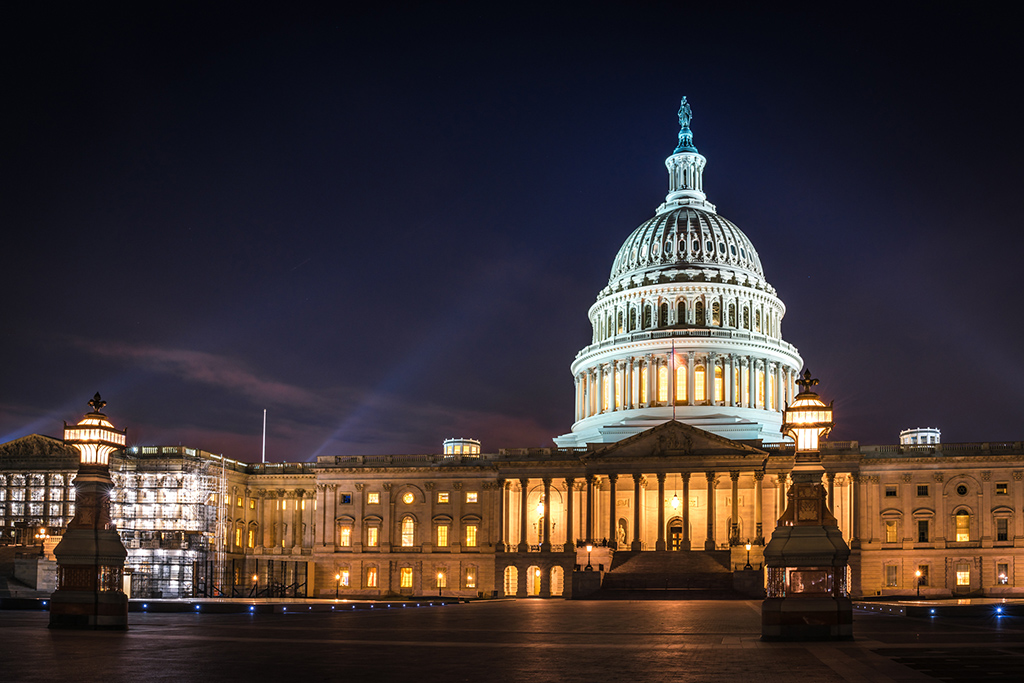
(807,419)
(94,436)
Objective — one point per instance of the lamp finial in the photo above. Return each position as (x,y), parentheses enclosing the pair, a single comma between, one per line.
(97,403)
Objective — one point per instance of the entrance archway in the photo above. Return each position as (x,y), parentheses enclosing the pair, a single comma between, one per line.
(675,533)
(533,580)
(511,581)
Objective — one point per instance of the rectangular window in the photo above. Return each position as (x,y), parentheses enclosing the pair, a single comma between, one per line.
(890,531)
(344,578)
(239,502)
(471,496)
(55,509)
(891,491)
(346,536)
(371,577)
(442,536)
(963,528)
(1002,529)
(922,575)
(470,578)
(442,497)
(252,503)
(471,535)
(238,538)
(1002,489)
(405,580)
(922,489)
(922,531)
(373,498)
(963,577)
(892,576)
(442,580)
(371,536)
(1002,573)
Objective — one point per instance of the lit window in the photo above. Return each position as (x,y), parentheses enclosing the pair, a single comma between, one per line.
(1002,573)
(681,373)
(890,531)
(760,388)
(471,535)
(1001,489)
(442,535)
(662,384)
(699,384)
(373,498)
(408,498)
(471,496)
(892,575)
(371,536)
(346,536)
(442,580)
(618,389)
(408,532)
(470,578)
(239,502)
(344,577)
(1002,529)
(406,577)
(719,384)
(371,577)
(252,503)
(252,538)
(442,497)
(922,579)
(643,384)
(963,576)
(963,527)
(771,390)
(238,538)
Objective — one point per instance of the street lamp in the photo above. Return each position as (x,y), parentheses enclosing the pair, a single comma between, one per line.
(337,585)
(440,576)
(589,567)
(255,585)
(747,565)
(41,536)
(918,582)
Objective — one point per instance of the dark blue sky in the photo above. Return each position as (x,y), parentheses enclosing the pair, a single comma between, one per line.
(386,226)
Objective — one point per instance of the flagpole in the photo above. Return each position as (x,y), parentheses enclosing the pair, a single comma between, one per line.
(264,435)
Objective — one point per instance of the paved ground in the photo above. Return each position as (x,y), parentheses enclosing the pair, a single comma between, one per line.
(529,640)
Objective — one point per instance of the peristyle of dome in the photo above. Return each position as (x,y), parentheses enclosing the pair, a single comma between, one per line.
(687,328)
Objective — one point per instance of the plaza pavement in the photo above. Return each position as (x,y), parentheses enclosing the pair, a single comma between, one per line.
(526,640)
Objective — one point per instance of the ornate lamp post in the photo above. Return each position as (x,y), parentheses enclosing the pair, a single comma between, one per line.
(41,536)
(90,556)
(807,556)
(337,585)
(747,565)
(589,566)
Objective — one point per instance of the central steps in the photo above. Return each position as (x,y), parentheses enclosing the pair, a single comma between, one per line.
(669,575)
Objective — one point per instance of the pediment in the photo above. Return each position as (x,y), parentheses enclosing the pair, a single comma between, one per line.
(672,439)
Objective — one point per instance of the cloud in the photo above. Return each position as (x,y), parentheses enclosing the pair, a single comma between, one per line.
(206,368)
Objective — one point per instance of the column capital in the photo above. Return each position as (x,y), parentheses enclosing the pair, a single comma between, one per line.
(660,476)
(758,475)
(546,481)
(569,481)
(734,475)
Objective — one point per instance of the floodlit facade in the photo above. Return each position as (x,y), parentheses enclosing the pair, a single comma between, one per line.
(674,462)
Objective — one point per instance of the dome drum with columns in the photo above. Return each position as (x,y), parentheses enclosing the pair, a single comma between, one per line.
(687,328)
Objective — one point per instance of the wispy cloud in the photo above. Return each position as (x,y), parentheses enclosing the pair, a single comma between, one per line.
(207,368)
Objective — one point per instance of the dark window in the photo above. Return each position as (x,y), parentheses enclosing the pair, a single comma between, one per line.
(346,498)
(1002,529)
(922,531)
(922,579)
(961,489)
(891,491)
(1001,489)
(922,489)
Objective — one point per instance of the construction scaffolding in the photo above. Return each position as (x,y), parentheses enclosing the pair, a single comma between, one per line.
(169,507)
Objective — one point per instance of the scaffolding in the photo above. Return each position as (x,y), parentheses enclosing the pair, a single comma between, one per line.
(169,506)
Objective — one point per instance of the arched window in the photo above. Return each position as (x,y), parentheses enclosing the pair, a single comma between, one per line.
(771,391)
(746,318)
(698,314)
(511,581)
(643,384)
(736,386)
(557,577)
(760,388)
(963,526)
(681,313)
(699,382)
(647,317)
(716,314)
(618,328)
(408,531)
(618,389)
(606,398)
(663,315)
(732,315)
(757,321)
(663,384)
(681,377)
(632,318)
(719,383)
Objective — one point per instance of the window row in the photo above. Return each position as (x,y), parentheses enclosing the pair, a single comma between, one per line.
(632,317)
(962,529)
(439,578)
(961,575)
(1001,488)
(409,498)
(408,534)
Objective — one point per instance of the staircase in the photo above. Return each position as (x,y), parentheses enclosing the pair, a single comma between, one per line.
(678,575)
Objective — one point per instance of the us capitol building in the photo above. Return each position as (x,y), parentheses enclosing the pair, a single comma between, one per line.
(674,464)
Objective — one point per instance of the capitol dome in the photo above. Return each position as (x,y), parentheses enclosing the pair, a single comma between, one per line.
(688,327)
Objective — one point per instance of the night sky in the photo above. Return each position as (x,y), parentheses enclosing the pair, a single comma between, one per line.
(386,226)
